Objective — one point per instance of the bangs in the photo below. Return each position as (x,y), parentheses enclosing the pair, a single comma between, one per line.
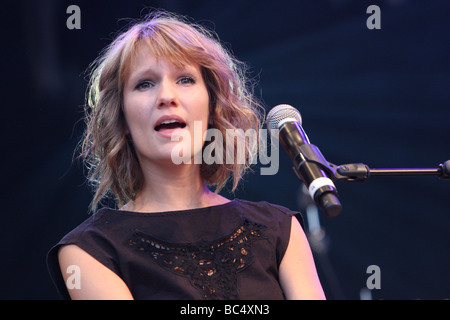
(165,45)
(163,42)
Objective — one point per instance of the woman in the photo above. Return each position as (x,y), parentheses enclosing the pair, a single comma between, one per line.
(159,83)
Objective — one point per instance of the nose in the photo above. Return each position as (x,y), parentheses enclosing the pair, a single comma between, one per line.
(167,95)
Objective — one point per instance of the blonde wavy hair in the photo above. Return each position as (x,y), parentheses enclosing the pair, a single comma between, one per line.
(108,152)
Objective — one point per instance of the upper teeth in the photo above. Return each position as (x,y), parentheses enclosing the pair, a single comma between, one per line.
(169,121)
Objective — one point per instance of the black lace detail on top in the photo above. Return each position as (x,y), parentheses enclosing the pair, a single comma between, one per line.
(211,266)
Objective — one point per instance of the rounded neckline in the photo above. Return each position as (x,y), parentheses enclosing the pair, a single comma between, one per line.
(172,212)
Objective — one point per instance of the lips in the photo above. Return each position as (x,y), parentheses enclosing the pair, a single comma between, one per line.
(169,123)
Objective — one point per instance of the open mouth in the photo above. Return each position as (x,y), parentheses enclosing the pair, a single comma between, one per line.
(170,124)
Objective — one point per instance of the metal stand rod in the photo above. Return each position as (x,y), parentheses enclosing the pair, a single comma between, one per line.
(361,172)
(404,172)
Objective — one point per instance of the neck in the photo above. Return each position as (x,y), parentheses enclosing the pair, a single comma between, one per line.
(170,189)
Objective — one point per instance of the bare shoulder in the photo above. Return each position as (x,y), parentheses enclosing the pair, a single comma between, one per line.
(298,274)
(95,280)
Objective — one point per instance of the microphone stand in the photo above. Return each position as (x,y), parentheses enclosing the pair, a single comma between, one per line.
(354,172)
(359,172)
(319,242)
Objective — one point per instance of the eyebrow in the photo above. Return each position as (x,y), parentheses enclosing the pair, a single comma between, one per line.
(141,73)
(149,71)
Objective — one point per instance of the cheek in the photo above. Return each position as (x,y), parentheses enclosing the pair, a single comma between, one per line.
(134,112)
(201,103)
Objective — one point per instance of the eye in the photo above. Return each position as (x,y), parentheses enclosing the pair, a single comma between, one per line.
(186,80)
(145,85)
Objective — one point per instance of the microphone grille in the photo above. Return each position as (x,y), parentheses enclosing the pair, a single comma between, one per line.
(280,113)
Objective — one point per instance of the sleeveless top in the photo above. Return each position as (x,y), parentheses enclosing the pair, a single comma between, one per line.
(229,251)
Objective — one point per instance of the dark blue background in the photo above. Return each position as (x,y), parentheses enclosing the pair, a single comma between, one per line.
(380,97)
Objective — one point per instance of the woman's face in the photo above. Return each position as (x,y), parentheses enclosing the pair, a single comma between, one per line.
(161,102)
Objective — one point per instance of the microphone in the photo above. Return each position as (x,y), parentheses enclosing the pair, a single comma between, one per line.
(309,163)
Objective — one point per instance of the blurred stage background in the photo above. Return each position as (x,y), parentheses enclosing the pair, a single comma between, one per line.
(379,97)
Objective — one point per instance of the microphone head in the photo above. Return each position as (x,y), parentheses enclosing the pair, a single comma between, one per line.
(280,114)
